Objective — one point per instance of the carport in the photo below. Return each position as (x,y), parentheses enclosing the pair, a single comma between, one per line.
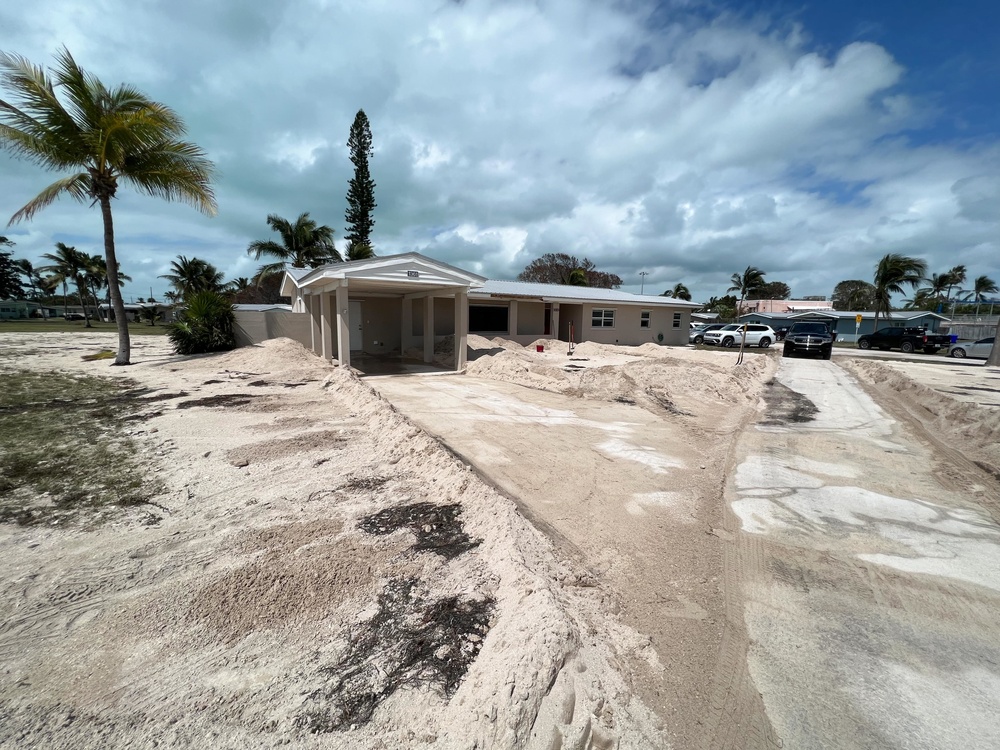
(381,305)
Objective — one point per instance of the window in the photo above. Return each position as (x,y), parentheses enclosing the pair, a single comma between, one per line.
(677,320)
(600,318)
(488,318)
(644,319)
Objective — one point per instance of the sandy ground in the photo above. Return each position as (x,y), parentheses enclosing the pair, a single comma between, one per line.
(317,558)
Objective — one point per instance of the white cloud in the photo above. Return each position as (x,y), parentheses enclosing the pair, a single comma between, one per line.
(504,130)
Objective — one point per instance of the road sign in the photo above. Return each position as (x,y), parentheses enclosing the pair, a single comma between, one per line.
(857,318)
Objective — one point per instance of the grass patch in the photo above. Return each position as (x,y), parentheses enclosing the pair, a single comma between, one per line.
(63,451)
(59,325)
(103,354)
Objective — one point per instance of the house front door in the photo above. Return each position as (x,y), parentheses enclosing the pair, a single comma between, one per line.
(357,332)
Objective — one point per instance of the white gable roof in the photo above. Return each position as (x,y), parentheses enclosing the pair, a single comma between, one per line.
(405,272)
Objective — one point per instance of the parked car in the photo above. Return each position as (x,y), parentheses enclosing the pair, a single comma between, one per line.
(74,316)
(780,333)
(973,349)
(729,335)
(905,339)
(697,335)
(812,337)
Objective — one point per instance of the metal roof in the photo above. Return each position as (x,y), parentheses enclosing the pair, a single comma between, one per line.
(849,314)
(536,291)
(262,308)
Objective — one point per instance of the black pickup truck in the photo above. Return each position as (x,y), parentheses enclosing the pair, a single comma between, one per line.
(905,339)
(808,337)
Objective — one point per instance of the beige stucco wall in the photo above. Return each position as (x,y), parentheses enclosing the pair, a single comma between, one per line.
(253,327)
(380,322)
(531,319)
(444,316)
(626,330)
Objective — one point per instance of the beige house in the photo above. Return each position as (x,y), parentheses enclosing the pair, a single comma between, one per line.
(407,303)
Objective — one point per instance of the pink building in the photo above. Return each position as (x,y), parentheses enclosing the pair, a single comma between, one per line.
(785,305)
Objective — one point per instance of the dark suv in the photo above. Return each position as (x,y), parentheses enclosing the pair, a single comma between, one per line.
(812,337)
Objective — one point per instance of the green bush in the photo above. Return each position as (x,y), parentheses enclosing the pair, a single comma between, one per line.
(206,324)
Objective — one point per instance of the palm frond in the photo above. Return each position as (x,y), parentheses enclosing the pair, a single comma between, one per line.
(76,185)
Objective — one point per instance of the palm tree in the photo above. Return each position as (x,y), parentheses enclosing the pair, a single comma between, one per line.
(956,277)
(745,283)
(303,244)
(982,286)
(192,275)
(102,137)
(69,264)
(359,251)
(578,277)
(934,293)
(678,292)
(26,269)
(891,273)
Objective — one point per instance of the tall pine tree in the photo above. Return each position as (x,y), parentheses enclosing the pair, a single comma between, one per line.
(361,193)
(10,274)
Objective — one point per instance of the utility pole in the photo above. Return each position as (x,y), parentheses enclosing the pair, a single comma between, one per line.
(642,285)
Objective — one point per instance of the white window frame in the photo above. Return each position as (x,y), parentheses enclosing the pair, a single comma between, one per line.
(604,311)
(645,319)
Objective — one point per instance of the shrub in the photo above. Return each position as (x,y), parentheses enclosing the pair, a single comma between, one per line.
(206,324)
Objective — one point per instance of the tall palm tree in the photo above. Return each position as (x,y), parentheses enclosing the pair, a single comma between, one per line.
(678,292)
(982,286)
(192,275)
(745,283)
(939,285)
(956,277)
(304,244)
(891,273)
(359,251)
(102,137)
(69,264)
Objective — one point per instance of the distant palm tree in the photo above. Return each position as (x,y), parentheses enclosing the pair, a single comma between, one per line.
(304,244)
(678,292)
(891,273)
(578,277)
(956,277)
(935,292)
(69,264)
(983,285)
(102,137)
(745,283)
(359,251)
(26,269)
(238,285)
(192,275)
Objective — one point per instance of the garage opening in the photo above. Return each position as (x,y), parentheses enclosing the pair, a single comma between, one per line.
(490,319)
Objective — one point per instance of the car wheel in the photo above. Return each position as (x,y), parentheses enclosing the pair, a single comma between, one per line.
(787,352)
(699,339)
(864,344)
(764,343)
(828,355)
(728,341)
(958,353)
(906,347)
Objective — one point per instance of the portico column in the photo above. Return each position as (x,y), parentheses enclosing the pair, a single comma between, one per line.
(554,321)
(461,328)
(512,319)
(428,329)
(315,332)
(325,327)
(343,327)
(406,322)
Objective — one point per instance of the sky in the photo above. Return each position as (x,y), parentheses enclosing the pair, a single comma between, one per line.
(685,139)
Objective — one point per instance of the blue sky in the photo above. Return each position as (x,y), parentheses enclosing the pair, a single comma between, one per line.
(686,139)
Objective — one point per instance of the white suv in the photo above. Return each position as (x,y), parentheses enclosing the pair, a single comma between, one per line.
(757,335)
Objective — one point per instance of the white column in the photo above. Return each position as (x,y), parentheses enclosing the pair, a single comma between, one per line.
(343,326)
(406,322)
(315,332)
(512,319)
(554,321)
(324,326)
(461,329)
(428,329)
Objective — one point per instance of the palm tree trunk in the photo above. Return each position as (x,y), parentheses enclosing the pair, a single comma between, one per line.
(83,302)
(124,344)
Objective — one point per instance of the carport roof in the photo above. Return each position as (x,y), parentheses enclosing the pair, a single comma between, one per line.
(566,293)
(403,273)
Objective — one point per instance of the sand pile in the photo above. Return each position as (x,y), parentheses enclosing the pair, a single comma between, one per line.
(655,377)
(975,428)
(320,573)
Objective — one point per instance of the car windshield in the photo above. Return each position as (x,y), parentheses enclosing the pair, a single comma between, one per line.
(811,328)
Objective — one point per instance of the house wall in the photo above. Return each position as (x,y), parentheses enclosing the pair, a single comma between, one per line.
(567,314)
(627,331)
(530,319)
(255,327)
(380,324)
(444,316)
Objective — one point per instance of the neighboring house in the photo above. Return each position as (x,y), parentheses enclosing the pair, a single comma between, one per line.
(844,323)
(704,318)
(12,309)
(387,304)
(134,311)
(785,305)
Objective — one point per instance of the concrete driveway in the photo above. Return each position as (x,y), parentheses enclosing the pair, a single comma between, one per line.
(871,565)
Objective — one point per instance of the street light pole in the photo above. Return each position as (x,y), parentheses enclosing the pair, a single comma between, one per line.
(642,286)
